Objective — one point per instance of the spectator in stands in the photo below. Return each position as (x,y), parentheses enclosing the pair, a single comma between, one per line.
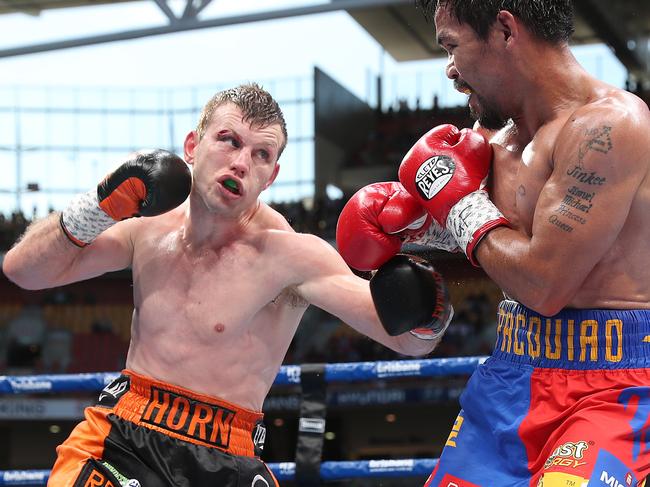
(11,228)
(24,339)
(57,350)
(99,350)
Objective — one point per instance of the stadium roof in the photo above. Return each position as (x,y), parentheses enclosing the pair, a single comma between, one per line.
(395,24)
(623,25)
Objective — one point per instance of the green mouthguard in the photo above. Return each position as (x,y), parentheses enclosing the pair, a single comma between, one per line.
(230,184)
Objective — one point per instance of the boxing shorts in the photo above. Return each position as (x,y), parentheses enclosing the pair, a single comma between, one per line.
(561,402)
(146,433)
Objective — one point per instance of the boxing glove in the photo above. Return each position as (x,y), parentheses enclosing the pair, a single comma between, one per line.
(445,171)
(378,219)
(410,295)
(148,184)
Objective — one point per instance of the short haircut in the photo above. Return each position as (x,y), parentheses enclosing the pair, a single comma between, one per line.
(548,20)
(257,105)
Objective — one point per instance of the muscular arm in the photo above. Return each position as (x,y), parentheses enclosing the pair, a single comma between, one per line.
(44,257)
(327,282)
(600,159)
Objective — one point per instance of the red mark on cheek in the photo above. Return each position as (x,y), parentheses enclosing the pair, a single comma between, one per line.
(219,327)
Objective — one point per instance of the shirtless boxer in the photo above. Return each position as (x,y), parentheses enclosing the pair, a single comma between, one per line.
(220,284)
(565,398)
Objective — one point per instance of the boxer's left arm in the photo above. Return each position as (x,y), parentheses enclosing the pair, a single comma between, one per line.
(600,160)
(324,280)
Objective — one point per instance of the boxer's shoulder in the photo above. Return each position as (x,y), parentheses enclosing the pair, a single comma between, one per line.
(613,126)
(292,244)
(609,107)
(155,229)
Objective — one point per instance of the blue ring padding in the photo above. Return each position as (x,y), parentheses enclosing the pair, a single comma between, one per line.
(24,477)
(420,467)
(288,374)
(28,384)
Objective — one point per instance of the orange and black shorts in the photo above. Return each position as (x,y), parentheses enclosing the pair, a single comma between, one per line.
(146,433)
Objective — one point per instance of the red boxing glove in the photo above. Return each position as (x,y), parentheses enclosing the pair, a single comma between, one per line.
(375,222)
(445,171)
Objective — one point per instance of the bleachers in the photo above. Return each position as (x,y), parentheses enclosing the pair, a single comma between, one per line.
(77,337)
(80,318)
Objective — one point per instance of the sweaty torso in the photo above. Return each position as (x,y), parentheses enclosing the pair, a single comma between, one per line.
(216,320)
(619,280)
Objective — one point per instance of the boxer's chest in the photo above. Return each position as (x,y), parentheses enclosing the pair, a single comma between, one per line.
(230,284)
(519,173)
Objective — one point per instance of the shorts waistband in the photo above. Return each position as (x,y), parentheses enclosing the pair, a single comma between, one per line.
(574,338)
(184,414)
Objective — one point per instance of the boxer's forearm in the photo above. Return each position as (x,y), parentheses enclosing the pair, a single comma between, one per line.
(41,256)
(416,347)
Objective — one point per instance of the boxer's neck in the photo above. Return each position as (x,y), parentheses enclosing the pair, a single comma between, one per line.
(202,228)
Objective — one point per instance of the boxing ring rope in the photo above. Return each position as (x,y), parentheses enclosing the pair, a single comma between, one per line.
(282,471)
(288,375)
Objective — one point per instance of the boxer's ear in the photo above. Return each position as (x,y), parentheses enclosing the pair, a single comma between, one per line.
(276,170)
(507,27)
(191,141)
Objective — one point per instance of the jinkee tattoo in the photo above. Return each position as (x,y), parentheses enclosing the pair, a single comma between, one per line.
(577,202)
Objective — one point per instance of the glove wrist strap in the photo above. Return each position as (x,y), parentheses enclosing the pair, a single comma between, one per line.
(434,334)
(471,218)
(83,220)
(434,236)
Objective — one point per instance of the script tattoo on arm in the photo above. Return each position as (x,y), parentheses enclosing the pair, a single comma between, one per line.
(578,200)
(575,207)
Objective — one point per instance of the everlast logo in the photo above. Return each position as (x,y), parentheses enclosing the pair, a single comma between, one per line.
(568,455)
(433,175)
(196,420)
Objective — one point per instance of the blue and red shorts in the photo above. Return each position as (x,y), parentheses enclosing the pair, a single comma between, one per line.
(562,401)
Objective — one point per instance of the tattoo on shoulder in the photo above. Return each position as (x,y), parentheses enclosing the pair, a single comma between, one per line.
(597,139)
(578,200)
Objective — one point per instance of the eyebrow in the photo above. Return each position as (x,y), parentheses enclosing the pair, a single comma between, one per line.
(271,148)
(442,37)
(229,132)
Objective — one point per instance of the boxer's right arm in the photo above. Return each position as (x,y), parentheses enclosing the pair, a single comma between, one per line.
(44,257)
(323,279)
(56,250)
